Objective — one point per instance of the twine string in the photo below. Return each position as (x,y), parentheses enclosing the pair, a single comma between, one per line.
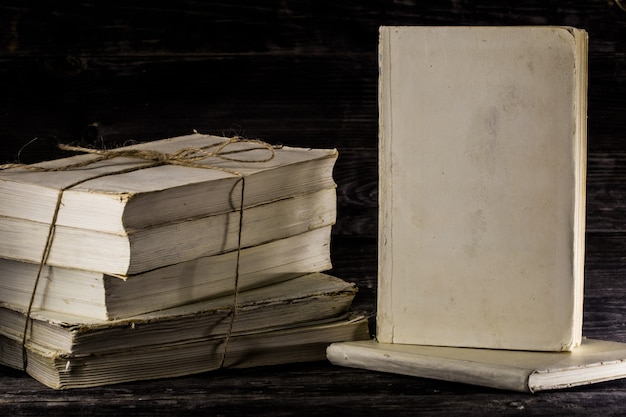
(44,259)
(233,311)
(187,157)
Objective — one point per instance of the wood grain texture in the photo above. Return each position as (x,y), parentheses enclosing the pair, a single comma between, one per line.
(301,73)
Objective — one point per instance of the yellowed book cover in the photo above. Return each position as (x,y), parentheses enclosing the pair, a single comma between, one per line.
(513,370)
(482,186)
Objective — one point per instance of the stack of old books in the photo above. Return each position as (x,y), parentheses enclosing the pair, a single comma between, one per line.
(169,258)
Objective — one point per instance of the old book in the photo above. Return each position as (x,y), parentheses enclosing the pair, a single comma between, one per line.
(256,348)
(482,186)
(141,250)
(135,194)
(311,298)
(102,296)
(592,362)
(290,321)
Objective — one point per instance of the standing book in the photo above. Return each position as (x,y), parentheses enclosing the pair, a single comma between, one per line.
(482,186)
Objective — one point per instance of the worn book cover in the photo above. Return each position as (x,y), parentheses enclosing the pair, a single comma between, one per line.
(513,370)
(482,186)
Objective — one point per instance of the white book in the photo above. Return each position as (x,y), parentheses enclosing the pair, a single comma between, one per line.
(482,186)
(141,250)
(311,298)
(292,321)
(123,201)
(103,296)
(525,371)
(262,348)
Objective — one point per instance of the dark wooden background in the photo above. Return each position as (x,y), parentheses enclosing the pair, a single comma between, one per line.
(300,73)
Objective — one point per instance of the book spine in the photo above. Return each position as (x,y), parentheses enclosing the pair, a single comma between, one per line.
(582,41)
(385,261)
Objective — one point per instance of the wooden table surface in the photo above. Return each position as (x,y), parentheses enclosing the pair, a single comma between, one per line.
(300,73)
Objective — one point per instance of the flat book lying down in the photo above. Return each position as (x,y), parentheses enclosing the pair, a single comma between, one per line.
(592,362)
(138,193)
(285,322)
(261,348)
(482,186)
(102,296)
(144,249)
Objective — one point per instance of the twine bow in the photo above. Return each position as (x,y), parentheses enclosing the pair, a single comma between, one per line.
(188,157)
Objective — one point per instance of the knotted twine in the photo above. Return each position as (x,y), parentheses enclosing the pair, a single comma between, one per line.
(186,157)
